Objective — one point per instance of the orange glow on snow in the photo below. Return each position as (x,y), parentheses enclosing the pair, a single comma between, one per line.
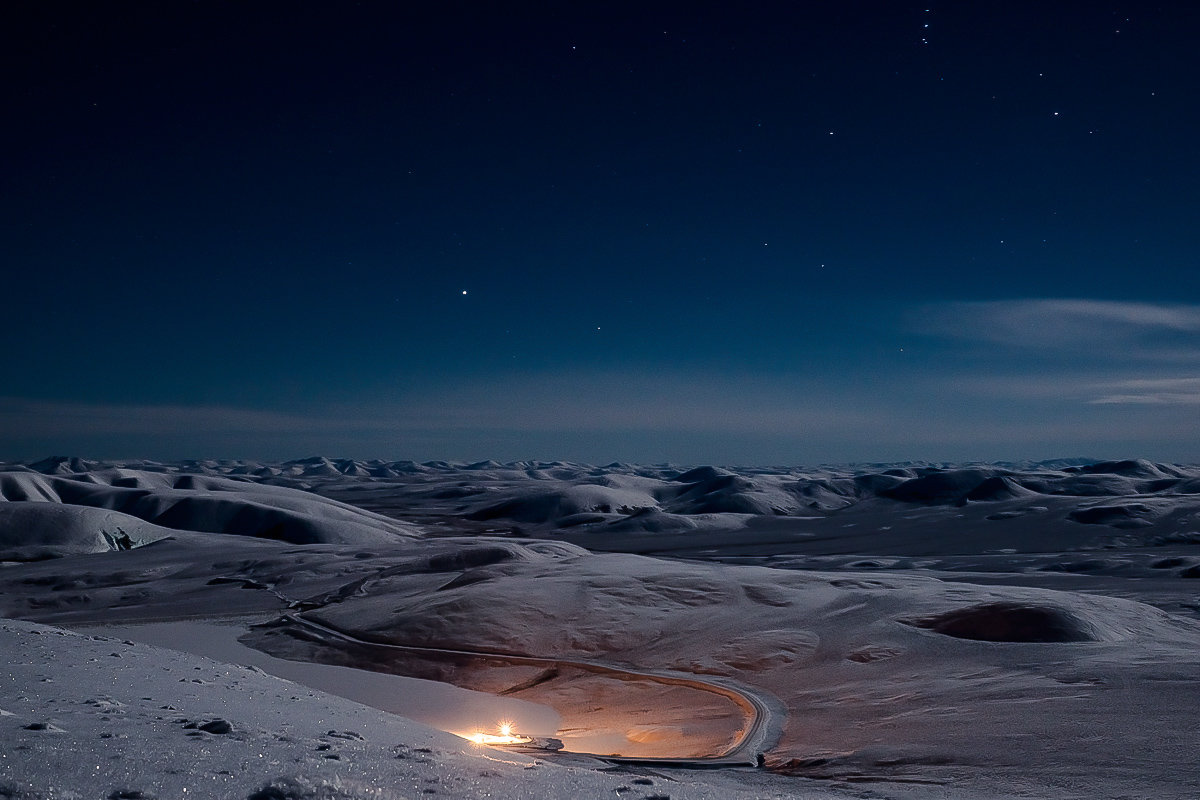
(506,736)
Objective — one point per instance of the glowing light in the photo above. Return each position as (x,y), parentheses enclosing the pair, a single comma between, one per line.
(506,736)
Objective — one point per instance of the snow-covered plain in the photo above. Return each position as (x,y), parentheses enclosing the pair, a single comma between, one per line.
(878,631)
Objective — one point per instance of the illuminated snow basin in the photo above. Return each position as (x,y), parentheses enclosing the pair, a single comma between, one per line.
(460,711)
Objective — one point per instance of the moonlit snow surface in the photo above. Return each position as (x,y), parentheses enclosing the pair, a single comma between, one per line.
(907,630)
(85,716)
(438,705)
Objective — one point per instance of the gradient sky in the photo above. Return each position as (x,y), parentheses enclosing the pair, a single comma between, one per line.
(784,233)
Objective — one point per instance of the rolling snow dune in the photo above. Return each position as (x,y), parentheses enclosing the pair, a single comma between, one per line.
(632,607)
(37,530)
(541,507)
(204,504)
(624,498)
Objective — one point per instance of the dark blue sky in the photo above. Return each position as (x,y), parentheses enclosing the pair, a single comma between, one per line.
(781,232)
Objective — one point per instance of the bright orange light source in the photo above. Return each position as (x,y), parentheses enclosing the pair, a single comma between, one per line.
(506,736)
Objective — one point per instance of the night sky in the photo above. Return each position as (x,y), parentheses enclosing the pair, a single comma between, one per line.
(764,233)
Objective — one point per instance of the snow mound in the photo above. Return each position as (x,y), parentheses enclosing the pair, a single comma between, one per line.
(996,488)
(33,531)
(707,490)
(188,503)
(1085,485)
(1130,468)
(650,520)
(827,495)
(621,604)
(546,506)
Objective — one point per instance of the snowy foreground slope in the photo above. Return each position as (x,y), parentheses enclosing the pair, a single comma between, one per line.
(86,716)
(912,631)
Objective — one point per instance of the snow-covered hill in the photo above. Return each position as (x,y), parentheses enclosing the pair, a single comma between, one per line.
(934,631)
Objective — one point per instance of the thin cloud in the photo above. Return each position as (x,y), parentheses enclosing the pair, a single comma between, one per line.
(1151,399)
(1155,391)
(1052,323)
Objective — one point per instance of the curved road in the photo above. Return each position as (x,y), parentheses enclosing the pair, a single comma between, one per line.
(765,713)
